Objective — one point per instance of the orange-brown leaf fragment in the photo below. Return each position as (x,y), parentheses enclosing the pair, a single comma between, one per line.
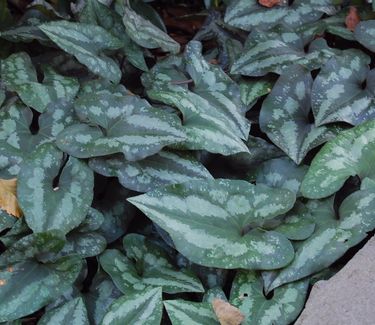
(8,197)
(352,19)
(269,3)
(226,313)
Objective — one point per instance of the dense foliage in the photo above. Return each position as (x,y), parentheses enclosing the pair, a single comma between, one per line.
(168,154)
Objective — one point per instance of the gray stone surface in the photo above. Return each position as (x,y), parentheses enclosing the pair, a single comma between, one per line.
(348,298)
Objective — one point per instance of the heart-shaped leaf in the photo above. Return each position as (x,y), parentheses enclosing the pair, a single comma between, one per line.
(282,309)
(209,222)
(126,124)
(164,168)
(274,52)
(364,34)
(285,115)
(86,42)
(149,36)
(332,237)
(62,206)
(146,265)
(188,312)
(144,307)
(19,75)
(350,153)
(28,286)
(337,93)
(84,244)
(72,312)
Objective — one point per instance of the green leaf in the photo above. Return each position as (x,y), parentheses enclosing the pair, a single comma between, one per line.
(251,90)
(213,113)
(281,173)
(337,93)
(164,168)
(84,244)
(99,14)
(364,34)
(16,139)
(274,52)
(284,116)
(86,42)
(72,312)
(46,207)
(118,123)
(29,285)
(33,245)
(188,312)
(333,237)
(144,307)
(19,75)
(349,154)
(145,265)
(94,219)
(149,36)
(282,309)
(209,222)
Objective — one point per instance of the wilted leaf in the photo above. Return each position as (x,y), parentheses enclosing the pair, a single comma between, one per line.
(226,313)
(352,19)
(209,222)
(8,197)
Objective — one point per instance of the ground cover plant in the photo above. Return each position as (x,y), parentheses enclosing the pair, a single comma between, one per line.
(181,162)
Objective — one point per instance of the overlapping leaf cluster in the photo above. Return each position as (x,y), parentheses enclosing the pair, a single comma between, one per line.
(147,182)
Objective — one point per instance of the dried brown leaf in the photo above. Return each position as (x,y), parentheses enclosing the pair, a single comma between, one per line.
(8,197)
(269,3)
(352,19)
(226,313)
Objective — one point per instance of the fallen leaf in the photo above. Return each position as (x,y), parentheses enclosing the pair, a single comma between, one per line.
(352,19)
(226,313)
(269,3)
(8,197)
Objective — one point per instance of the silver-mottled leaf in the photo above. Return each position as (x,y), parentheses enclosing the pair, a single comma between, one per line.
(45,207)
(164,168)
(284,115)
(188,312)
(84,244)
(28,286)
(364,33)
(337,93)
(350,153)
(282,309)
(72,312)
(86,42)
(251,90)
(143,307)
(209,222)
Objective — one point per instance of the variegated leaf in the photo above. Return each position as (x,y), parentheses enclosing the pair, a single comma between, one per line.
(33,245)
(349,154)
(143,307)
(188,312)
(19,75)
(281,173)
(144,265)
(364,34)
(99,14)
(6,220)
(94,219)
(213,114)
(164,168)
(86,42)
(72,312)
(16,139)
(28,286)
(149,36)
(333,237)
(118,123)
(274,52)
(284,116)
(46,207)
(282,309)
(84,244)
(337,92)
(249,14)
(251,90)
(209,222)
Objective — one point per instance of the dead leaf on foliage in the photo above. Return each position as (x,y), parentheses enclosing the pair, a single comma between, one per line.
(269,3)
(226,313)
(352,19)
(8,197)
